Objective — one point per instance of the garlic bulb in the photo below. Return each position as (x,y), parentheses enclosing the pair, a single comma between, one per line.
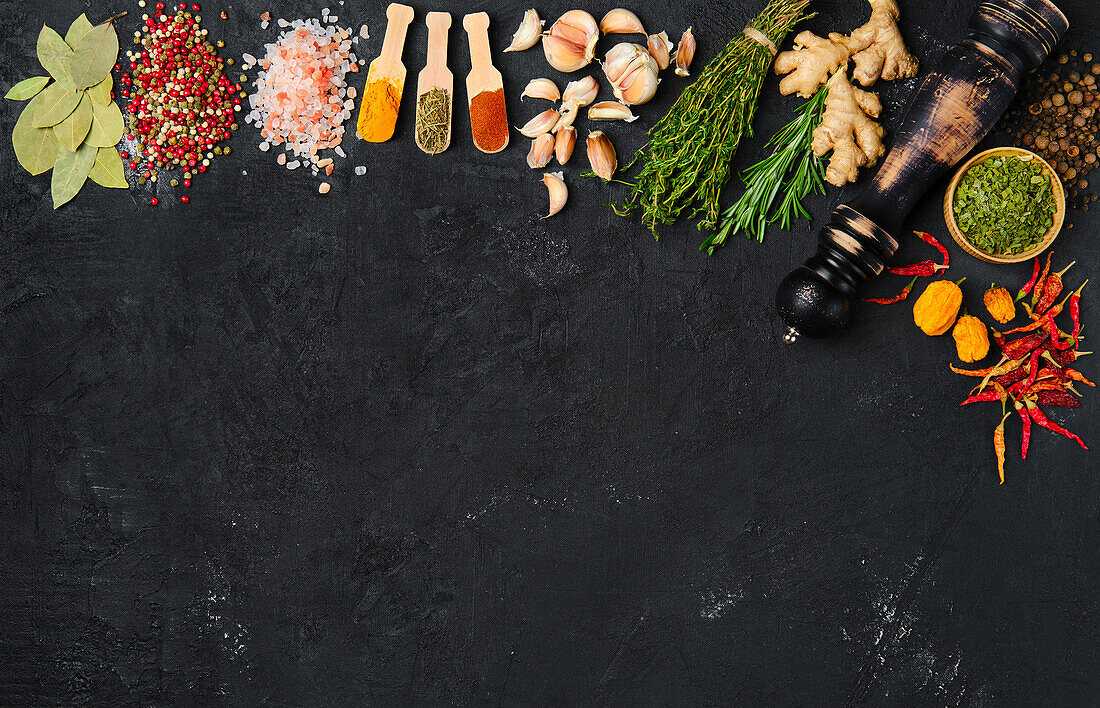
(611,110)
(558,192)
(563,144)
(571,42)
(581,92)
(660,49)
(685,53)
(620,21)
(527,36)
(542,149)
(632,73)
(542,123)
(601,155)
(542,88)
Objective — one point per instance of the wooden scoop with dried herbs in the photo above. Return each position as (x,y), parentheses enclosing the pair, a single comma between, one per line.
(71,125)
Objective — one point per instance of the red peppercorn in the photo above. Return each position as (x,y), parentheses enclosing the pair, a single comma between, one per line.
(185,199)
(186,183)
(154,201)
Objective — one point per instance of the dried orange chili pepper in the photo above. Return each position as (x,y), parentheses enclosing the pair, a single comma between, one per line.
(1037,289)
(999,447)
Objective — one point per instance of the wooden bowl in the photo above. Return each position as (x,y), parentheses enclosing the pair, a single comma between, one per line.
(960,237)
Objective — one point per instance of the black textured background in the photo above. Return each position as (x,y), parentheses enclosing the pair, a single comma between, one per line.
(410,444)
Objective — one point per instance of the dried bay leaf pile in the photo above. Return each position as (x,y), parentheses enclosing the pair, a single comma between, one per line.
(71,125)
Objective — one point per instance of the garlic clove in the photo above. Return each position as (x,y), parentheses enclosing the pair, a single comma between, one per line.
(562,54)
(632,72)
(581,92)
(660,49)
(611,110)
(564,143)
(571,42)
(542,123)
(685,53)
(566,116)
(542,149)
(621,21)
(557,190)
(601,155)
(527,36)
(542,88)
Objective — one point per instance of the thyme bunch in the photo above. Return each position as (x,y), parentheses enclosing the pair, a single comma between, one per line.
(687,160)
(770,177)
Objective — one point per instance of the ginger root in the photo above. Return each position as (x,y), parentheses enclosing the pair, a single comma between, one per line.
(848,130)
(877,47)
(809,64)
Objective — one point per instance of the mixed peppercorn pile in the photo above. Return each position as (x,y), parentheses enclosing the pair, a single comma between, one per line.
(181,104)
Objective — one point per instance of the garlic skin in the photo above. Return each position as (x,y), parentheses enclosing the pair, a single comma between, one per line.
(660,49)
(542,88)
(632,73)
(542,149)
(527,36)
(557,190)
(571,42)
(581,92)
(611,110)
(621,21)
(685,53)
(601,155)
(564,143)
(542,123)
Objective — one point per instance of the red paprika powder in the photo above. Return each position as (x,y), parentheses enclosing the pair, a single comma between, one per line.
(489,120)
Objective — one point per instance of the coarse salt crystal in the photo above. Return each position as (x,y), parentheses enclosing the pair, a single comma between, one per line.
(340,151)
(360,170)
(364,33)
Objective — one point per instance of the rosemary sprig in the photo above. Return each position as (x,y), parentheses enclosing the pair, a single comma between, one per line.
(770,177)
(687,160)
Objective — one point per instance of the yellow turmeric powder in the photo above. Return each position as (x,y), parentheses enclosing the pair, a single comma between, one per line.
(378,111)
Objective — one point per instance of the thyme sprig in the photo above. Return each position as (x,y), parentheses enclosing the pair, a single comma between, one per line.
(687,160)
(772,176)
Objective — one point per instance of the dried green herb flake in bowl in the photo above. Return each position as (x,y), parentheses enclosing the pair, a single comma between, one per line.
(1005,205)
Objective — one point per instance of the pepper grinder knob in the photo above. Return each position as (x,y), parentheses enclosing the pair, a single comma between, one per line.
(955,106)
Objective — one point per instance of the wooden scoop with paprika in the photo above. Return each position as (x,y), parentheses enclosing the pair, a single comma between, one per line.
(485,87)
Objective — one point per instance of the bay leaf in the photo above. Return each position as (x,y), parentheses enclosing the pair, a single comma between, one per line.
(72,131)
(107,126)
(107,170)
(101,92)
(77,29)
(27,88)
(56,57)
(70,172)
(94,55)
(35,148)
(57,104)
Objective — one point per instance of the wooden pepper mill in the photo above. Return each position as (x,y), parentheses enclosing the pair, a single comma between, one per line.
(954,108)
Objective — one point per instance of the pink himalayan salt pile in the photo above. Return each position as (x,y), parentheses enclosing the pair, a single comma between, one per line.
(301,98)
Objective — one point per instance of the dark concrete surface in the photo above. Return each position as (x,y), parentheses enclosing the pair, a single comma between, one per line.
(408,444)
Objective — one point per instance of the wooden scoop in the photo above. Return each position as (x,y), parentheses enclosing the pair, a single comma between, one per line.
(387,67)
(483,75)
(435,75)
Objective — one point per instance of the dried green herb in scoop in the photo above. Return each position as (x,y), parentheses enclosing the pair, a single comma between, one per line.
(1005,205)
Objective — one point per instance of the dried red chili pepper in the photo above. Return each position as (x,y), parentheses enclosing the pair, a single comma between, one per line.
(1026,434)
(897,298)
(1031,283)
(1063,399)
(934,242)
(1075,316)
(1011,377)
(923,269)
(983,397)
(1040,418)
(1037,290)
(999,446)
(1019,348)
(1052,288)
